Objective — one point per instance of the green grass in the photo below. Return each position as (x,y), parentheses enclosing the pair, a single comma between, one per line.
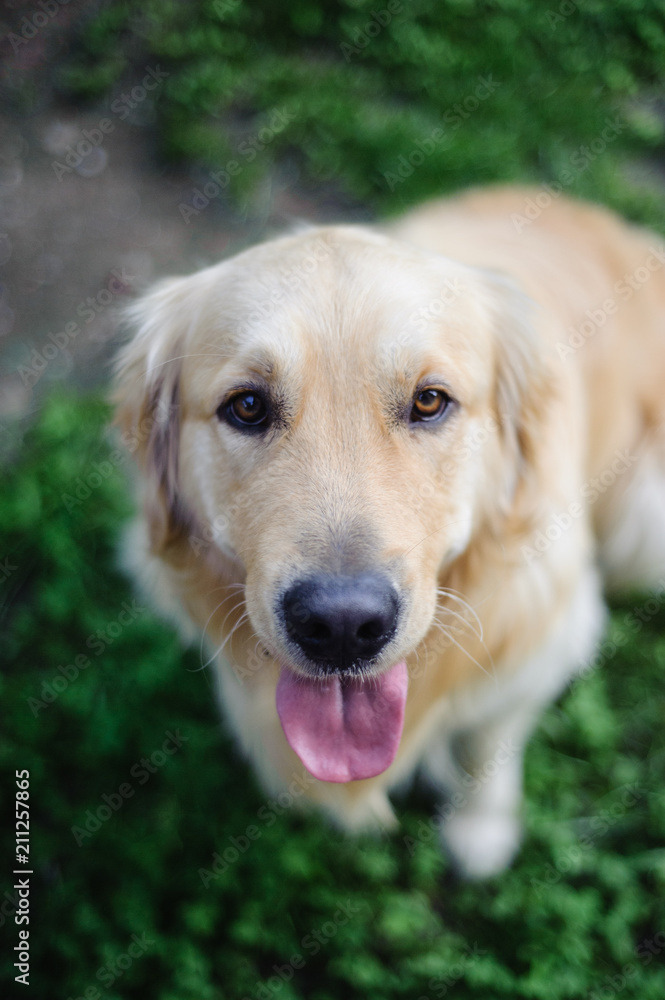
(364,88)
(575,914)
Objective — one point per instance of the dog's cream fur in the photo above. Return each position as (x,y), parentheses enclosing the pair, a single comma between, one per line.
(489,524)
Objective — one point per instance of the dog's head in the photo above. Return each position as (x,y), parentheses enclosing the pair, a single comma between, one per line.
(336,415)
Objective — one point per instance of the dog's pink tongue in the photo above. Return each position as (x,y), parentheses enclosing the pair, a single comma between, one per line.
(342,729)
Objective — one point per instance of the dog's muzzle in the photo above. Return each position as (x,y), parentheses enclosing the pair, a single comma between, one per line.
(342,720)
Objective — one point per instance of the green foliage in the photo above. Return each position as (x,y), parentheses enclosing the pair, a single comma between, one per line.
(377,917)
(392,106)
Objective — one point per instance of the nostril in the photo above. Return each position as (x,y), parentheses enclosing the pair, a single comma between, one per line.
(316,630)
(371,630)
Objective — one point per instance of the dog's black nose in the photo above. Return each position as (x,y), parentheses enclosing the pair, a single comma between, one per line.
(338,620)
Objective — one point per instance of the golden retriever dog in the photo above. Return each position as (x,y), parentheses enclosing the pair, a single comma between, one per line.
(386,474)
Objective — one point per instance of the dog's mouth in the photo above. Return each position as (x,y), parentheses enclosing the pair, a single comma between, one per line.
(343,728)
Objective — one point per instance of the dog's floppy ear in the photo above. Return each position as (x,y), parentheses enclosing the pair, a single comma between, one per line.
(524,387)
(148,404)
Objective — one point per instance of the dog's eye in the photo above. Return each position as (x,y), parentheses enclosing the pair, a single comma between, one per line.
(247,409)
(429,404)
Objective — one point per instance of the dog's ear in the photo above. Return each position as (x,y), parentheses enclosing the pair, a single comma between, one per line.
(524,389)
(148,402)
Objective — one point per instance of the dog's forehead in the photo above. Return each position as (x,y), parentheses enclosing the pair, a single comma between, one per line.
(345,299)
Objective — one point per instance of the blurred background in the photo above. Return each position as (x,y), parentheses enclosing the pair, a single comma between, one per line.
(139,139)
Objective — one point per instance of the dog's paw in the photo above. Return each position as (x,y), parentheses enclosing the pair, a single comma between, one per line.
(482,844)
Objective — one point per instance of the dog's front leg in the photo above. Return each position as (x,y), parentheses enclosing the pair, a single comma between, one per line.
(482,827)
(481,761)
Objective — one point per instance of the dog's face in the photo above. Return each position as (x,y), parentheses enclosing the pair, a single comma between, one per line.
(344,413)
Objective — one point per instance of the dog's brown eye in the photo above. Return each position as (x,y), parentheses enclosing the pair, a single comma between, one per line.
(247,409)
(429,404)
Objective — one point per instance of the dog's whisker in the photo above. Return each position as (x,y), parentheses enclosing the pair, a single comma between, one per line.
(448,635)
(241,621)
(235,607)
(205,628)
(458,593)
(417,671)
(458,629)
(429,534)
(448,592)
(214,612)
(179,357)
(471,619)
(454,641)
(210,617)
(226,586)
(238,588)
(256,646)
(216,352)
(479,636)
(233,610)
(456,596)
